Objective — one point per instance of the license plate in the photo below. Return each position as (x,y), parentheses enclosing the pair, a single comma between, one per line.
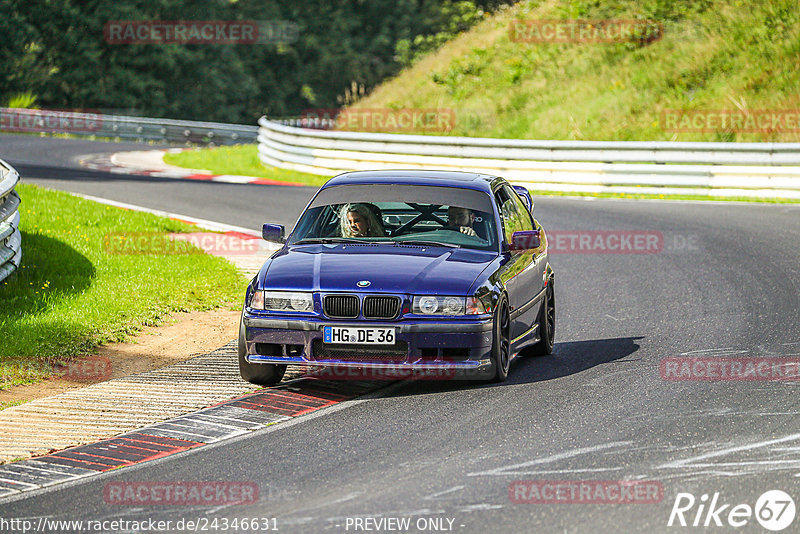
(357,335)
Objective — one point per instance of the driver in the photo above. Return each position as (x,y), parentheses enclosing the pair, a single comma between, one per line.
(461,218)
(360,220)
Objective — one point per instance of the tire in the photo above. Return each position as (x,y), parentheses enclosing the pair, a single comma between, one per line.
(261,374)
(501,345)
(547,323)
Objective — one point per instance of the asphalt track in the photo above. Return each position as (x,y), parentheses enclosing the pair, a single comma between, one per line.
(725,283)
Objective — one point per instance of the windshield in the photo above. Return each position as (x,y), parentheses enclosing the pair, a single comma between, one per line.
(396,215)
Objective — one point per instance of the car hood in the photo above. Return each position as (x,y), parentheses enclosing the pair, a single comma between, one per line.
(390,269)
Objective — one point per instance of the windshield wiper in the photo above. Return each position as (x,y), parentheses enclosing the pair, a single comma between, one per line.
(345,240)
(426,243)
(311,240)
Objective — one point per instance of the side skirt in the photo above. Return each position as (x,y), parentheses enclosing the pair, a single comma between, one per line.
(528,338)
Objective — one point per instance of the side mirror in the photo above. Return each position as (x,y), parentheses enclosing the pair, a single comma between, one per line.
(273,233)
(525,195)
(525,240)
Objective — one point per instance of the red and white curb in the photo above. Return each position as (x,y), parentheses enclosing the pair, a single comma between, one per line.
(112,163)
(229,419)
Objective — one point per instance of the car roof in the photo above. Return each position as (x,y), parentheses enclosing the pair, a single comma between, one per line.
(465,180)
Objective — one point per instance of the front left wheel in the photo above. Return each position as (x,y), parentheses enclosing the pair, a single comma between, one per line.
(501,344)
(261,374)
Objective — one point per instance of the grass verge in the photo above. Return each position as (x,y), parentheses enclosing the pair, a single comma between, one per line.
(240,160)
(714,55)
(70,294)
(9,404)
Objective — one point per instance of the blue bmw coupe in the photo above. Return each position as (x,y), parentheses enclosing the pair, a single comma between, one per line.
(427,273)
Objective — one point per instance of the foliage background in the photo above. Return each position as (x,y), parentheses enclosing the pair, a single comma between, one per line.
(54,55)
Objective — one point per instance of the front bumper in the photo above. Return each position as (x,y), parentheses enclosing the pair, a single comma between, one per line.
(423,348)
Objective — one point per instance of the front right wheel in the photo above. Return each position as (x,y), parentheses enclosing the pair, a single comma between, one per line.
(261,374)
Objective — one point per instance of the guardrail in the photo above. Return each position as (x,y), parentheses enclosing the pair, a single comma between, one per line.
(663,167)
(125,127)
(10,239)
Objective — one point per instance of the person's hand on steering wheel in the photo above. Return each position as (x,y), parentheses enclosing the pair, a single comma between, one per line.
(467,230)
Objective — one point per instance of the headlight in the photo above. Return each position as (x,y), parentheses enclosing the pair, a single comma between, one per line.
(435,305)
(285,301)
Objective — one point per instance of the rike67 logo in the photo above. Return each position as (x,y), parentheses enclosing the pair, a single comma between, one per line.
(774,510)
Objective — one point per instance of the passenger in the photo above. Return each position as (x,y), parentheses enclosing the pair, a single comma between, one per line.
(361,220)
(461,218)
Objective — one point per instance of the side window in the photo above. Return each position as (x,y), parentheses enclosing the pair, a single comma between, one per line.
(525,220)
(509,214)
(513,213)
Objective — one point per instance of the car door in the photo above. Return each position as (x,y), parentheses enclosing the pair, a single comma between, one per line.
(520,275)
(534,276)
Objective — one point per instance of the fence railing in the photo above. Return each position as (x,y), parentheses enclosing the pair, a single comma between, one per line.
(10,239)
(125,127)
(720,169)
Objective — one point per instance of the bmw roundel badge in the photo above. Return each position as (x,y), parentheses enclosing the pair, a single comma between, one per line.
(363,283)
